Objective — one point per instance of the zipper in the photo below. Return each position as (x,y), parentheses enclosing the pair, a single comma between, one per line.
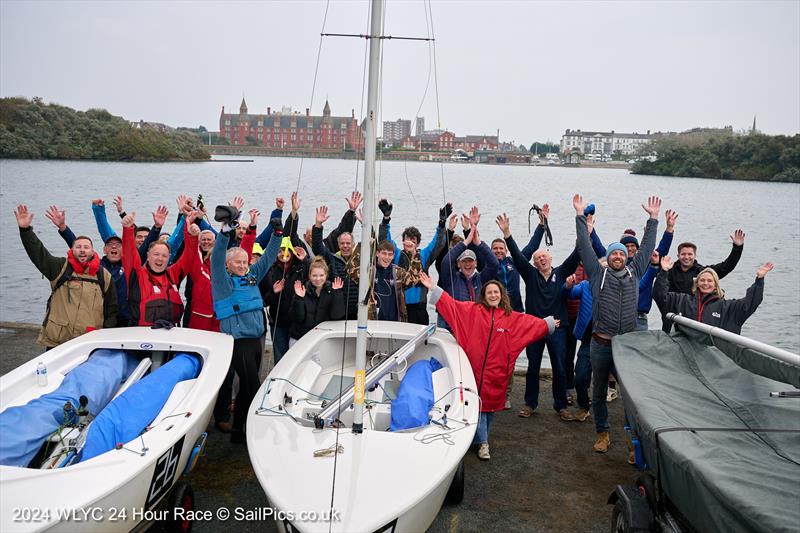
(486,354)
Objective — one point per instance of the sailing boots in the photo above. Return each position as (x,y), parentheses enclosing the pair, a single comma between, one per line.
(602,442)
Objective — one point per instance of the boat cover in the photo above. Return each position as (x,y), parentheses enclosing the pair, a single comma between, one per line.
(415,398)
(24,428)
(130,413)
(725,477)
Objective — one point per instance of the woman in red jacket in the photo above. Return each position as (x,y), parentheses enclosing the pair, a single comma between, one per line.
(492,335)
(152,290)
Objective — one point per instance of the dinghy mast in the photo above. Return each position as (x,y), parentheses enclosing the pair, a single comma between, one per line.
(371,125)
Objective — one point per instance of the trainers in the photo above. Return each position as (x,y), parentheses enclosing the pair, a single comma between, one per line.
(602,442)
(508,405)
(526,412)
(612,395)
(582,414)
(631,451)
(570,399)
(566,415)
(483,452)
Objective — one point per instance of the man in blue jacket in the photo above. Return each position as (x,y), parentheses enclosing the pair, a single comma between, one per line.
(240,311)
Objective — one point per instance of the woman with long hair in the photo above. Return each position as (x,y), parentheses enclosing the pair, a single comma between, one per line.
(707,302)
(492,335)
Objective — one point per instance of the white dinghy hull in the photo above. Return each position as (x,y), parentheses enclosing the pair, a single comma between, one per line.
(121,489)
(384,481)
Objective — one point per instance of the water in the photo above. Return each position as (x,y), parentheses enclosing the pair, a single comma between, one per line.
(709,210)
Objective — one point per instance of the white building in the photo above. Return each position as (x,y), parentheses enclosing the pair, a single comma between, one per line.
(610,143)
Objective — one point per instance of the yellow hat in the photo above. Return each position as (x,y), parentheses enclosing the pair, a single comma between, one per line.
(286,242)
(257,249)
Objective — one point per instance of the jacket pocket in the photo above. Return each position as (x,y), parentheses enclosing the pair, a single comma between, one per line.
(56,330)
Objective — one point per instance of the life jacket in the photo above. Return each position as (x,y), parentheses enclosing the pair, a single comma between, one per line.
(245,297)
(76,302)
(154,297)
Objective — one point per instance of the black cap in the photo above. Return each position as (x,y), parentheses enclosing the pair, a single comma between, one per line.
(112,238)
(225,214)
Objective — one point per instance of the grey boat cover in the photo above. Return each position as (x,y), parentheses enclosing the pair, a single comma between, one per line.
(722,478)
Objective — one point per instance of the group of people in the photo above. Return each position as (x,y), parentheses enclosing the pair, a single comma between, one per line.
(230,275)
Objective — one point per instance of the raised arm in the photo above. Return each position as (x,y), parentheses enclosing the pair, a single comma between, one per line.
(525,269)
(726,267)
(101,220)
(585,250)
(44,262)
(59,219)
(668,302)
(131,261)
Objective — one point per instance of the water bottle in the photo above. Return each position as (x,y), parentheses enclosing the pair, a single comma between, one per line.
(41,374)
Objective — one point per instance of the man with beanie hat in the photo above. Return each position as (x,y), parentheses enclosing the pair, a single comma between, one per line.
(615,289)
(645,301)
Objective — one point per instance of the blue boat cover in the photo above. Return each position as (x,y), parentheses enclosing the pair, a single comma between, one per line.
(415,398)
(130,413)
(24,428)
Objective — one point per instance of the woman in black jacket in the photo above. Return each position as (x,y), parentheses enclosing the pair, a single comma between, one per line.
(315,301)
(707,303)
(290,267)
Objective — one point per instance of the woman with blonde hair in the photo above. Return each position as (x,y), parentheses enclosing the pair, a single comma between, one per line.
(707,302)
(316,300)
(492,335)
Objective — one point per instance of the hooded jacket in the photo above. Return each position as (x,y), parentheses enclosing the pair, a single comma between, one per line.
(492,342)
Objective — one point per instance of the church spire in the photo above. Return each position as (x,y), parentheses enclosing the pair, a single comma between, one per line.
(243,107)
(326,112)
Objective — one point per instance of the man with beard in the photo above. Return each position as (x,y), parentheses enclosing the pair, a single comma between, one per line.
(111,261)
(615,290)
(83,295)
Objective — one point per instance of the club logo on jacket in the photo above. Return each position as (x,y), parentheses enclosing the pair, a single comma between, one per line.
(715,314)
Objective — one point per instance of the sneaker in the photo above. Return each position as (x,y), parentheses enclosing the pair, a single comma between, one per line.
(612,395)
(570,399)
(526,412)
(631,451)
(566,415)
(483,452)
(508,405)
(602,443)
(582,414)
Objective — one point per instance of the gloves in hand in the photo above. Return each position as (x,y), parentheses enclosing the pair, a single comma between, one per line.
(445,212)
(385,207)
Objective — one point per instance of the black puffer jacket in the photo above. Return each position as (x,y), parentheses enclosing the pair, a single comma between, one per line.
(312,310)
(280,304)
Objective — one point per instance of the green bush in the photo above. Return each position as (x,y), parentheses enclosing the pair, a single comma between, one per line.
(31,129)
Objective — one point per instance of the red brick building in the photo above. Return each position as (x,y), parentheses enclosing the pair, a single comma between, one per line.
(470,143)
(292,130)
(431,140)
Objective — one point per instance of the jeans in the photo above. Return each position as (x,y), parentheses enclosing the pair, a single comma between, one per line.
(482,434)
(583,373)
(641,323)
(280,343)
(556,346)
(602,360)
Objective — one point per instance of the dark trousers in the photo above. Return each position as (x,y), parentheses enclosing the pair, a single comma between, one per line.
(556,345)
(569,358)
(418,314)
(583,371)
(247,355)
(602,359)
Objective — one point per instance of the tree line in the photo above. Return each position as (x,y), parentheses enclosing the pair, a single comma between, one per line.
(751,156)
(32,129)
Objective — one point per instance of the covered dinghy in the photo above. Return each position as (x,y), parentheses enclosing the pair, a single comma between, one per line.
(698,414)
(128,415)
(24,428)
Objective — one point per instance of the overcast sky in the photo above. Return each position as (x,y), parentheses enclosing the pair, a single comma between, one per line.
(529,69)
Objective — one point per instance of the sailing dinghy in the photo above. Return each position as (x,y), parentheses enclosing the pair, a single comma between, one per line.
(101,443)
(384,480)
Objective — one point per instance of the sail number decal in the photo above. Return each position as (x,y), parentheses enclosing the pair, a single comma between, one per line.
(359,386)
(164,474)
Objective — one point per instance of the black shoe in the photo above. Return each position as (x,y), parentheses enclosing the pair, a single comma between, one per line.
(237,437)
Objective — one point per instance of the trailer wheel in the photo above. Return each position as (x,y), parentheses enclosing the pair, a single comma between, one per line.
(619,522)
(647,486)
(455,494)
(182,497)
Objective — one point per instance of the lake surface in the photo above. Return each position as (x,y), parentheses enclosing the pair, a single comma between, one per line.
(710,210)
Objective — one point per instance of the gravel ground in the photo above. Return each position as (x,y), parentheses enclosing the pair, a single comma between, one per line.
(543,475)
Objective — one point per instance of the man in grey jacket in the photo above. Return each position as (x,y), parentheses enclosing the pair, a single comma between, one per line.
(615,291)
